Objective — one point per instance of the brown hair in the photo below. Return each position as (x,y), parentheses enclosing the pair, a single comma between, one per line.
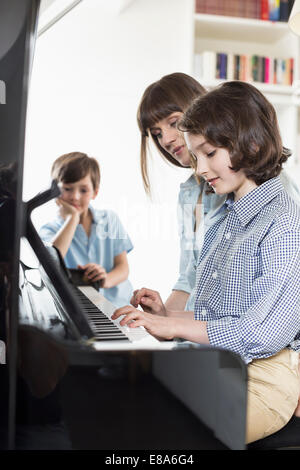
(171,93)
(238,117)
(74,166)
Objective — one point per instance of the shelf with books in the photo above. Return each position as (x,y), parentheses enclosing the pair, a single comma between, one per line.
(281,95)
(210,65)
(242,29)
(275,10)
(246,49)
(269,59)
(284,90)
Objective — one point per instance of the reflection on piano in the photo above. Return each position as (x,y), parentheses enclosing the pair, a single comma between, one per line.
(42,307)
(74,378)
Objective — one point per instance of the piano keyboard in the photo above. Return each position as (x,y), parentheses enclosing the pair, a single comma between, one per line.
(109,334)
(103,327)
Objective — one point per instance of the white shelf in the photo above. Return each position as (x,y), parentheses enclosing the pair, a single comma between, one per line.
(264,87)
(241,29)
(279,94)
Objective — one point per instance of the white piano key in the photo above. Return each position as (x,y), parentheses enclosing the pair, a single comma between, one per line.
(138,337)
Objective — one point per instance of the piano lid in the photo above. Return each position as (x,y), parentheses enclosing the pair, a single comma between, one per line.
(18,21)
(13,13)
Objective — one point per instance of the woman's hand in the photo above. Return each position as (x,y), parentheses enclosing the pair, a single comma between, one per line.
(66,209)
(149,300)
(156,325)
(94,272)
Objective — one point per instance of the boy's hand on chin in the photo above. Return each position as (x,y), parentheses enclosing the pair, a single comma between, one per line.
(66,209)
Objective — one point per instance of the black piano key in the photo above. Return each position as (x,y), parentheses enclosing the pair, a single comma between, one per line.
(109,333)
(105,325)
(103,328)
(121,338)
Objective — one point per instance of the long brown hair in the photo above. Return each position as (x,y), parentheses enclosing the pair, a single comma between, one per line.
(174,92)
(238,117)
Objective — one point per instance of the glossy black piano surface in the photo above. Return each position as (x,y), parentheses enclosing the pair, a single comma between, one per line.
(119,398)
(17,26)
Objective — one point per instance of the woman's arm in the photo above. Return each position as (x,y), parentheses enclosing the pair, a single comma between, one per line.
(119,273)
(151,302)
(177,300)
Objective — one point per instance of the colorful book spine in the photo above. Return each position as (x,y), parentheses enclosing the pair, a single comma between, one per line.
(223,66)
(264,9)
(236,63)
(230,66)
(218,66)
(267,70)
(243,69)
(284,10)
(274,71)
(272,10)
(291,70)
(254,68)
(279,71)
(210,65)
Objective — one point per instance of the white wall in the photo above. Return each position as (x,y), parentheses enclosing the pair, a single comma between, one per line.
(90,70)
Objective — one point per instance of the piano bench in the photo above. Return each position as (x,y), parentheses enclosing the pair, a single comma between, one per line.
(287,438)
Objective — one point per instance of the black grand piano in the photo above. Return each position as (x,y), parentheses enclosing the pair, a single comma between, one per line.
(70,378)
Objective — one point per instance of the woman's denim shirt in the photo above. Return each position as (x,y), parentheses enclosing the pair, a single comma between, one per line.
(191,241)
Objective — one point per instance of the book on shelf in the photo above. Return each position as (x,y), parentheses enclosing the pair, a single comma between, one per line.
(272,10)
(264,10)
(210,65)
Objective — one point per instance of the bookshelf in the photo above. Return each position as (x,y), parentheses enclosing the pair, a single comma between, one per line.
(244,28)
(234,36)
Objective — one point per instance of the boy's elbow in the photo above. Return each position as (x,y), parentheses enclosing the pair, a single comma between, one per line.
(58,246)
(121,265)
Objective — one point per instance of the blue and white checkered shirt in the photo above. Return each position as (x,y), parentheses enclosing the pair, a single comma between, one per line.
(248,283)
